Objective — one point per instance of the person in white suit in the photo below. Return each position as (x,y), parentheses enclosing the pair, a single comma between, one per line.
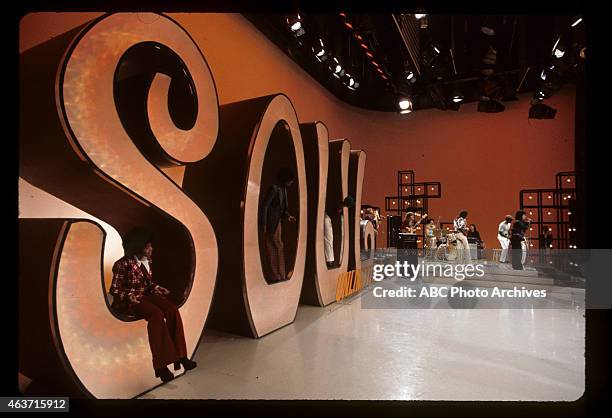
(503,236)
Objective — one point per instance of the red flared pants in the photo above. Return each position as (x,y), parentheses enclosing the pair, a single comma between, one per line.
(165,328)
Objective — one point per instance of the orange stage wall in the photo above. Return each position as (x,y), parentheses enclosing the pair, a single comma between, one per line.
(482,160)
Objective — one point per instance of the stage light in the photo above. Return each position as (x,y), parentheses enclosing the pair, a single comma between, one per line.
(419,15)
(458,98)
(543,75)
(487,30)
(409,75)
(336,68)
(436,49)
(558,51)
(320,52)
(530,197)
(549,213)
(569,180)
(576,22)
(350,82)
(569,213)
(405,105)
(295,24)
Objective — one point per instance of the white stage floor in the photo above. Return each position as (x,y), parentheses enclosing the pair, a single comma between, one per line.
(346,352)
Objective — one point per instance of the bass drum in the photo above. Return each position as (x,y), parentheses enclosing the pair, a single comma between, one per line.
(451,251)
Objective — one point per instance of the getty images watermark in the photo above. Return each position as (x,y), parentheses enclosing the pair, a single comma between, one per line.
(412,271)
(443,285)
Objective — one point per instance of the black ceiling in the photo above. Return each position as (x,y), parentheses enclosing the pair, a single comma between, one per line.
(371,49)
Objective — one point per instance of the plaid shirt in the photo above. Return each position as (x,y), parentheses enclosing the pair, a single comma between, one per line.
(131,279)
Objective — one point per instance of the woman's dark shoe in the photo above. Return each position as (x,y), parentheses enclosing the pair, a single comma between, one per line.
(187,364)
(164,374)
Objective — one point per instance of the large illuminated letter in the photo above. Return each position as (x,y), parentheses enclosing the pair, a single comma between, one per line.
(111,112)
(256,138)
(327,175)
(356,174)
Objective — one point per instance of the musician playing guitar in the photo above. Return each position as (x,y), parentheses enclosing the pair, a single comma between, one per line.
(410,224)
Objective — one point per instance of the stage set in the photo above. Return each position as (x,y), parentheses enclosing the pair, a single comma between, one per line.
(269,193)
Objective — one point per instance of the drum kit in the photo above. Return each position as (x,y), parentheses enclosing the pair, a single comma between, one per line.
(447,248)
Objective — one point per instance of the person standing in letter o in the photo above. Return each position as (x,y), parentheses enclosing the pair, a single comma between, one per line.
(273,210)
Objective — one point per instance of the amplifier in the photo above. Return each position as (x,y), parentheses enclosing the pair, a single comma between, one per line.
(407,250)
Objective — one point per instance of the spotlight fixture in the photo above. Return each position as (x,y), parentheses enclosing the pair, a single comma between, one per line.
(350,82)
(457,98)
(319,50)
(541,111)
(558,51)
(336,68)
(405,105)
(576,21)
(487,30)
(430,55)
(295,24)
(409,75)
(419,15)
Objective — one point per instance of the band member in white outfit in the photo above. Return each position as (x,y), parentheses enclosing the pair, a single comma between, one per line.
(503,236)
(328,229)
(461,228)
